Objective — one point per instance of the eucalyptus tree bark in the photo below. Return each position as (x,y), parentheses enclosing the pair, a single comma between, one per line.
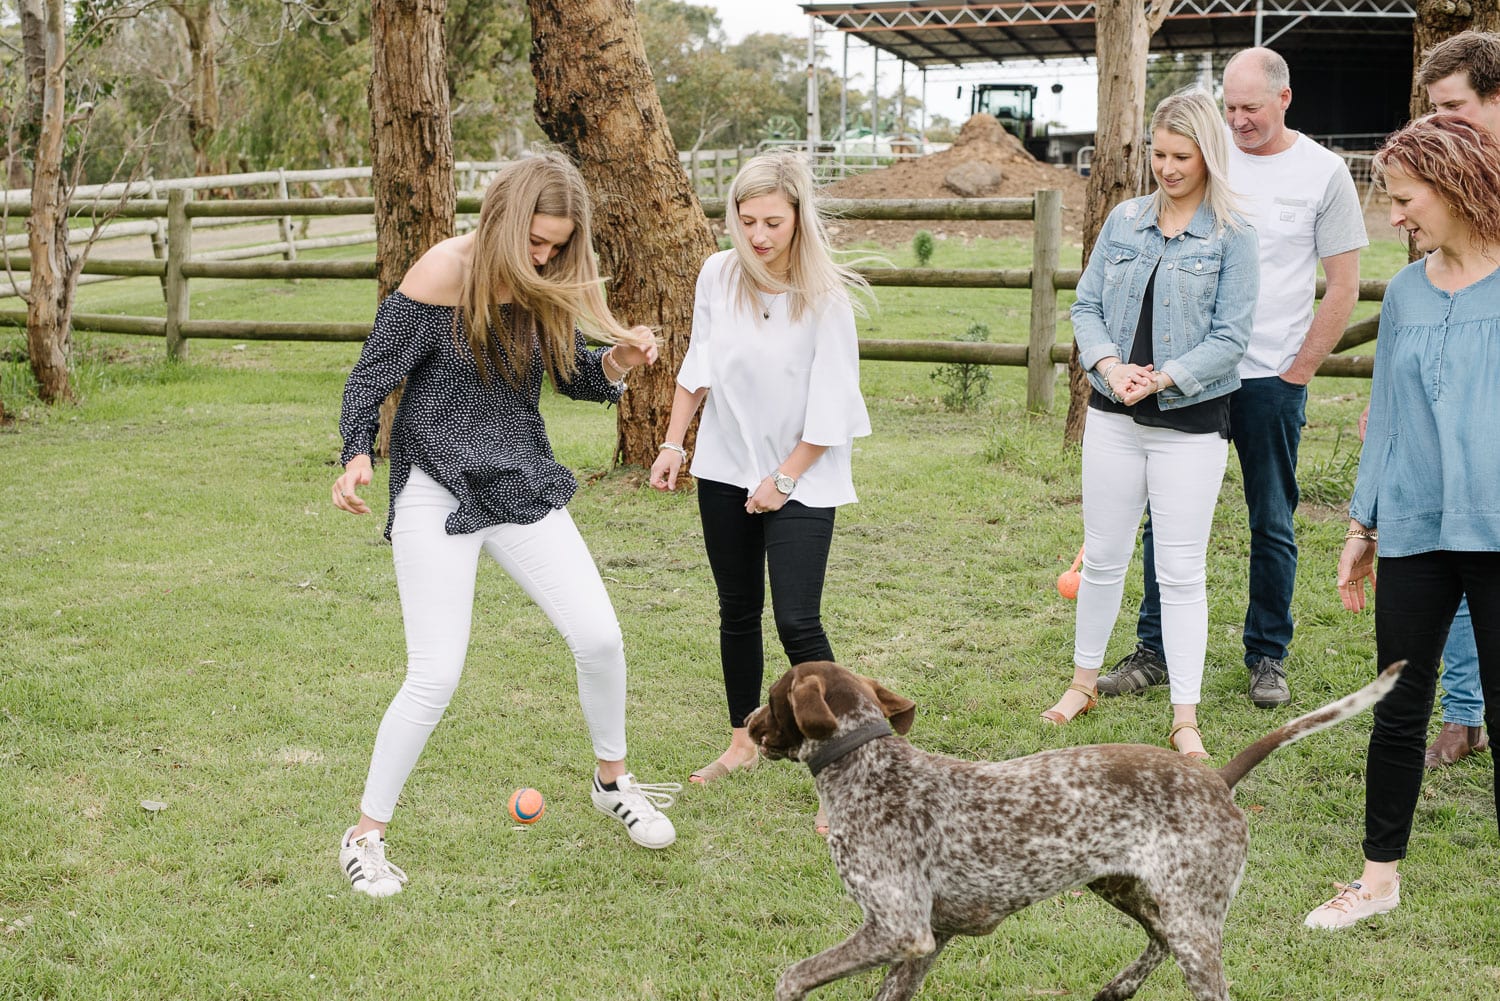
(1118,170)
(411,145)
(1438,20)
(54,273)
(595,98)
(203,104)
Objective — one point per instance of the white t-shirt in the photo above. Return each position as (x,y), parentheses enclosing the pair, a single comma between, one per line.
(1304,208)
(772,383)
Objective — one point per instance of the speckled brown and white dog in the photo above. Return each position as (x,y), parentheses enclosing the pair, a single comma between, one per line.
(931,847)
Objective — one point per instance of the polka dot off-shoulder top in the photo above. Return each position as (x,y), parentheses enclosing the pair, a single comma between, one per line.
(485,442)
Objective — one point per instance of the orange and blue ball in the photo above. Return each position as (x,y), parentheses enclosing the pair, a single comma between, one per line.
(526,806)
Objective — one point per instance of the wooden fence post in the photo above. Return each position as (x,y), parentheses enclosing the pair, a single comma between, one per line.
(718,173)
(288,234)
(179,249)
(1046,241)
(157,236)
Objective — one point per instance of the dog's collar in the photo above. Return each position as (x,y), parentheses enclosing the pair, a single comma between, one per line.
(835,749)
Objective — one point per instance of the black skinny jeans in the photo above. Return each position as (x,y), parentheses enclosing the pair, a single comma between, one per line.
(1414,607)
(793,542)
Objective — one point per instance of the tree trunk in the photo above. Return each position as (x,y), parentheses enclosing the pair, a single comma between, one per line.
(22,132)
(595,97)
(49,304)
(203,106)
(1119,167)
(1438,20)
(411,146)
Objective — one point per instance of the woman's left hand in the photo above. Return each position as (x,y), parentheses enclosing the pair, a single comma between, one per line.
(1355,564)
(765,498)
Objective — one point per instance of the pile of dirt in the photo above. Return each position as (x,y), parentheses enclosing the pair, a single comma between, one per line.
(981,142)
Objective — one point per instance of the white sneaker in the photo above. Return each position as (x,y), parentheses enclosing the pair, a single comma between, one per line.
(363,861)
(1354,903)
(638,807)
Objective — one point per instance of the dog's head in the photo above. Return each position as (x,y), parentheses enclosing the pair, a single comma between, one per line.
(815,700)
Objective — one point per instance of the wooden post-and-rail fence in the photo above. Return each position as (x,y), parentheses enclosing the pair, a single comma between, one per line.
(1044,278)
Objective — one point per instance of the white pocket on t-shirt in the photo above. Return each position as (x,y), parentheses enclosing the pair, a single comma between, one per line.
(1289,215)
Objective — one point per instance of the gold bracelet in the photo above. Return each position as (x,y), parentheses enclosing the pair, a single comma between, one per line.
(1362,533)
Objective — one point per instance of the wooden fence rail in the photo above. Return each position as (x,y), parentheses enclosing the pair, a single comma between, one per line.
(1044,279)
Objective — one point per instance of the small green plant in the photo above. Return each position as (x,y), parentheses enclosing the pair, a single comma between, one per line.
(1330,481)
(967,382)
(922,245)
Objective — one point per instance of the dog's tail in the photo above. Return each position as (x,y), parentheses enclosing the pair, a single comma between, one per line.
(1318,719)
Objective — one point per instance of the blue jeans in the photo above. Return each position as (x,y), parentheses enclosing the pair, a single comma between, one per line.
(1265,421)
(1463,700)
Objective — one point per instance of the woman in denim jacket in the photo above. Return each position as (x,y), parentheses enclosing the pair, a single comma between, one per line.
(1181,268)
(1429,474)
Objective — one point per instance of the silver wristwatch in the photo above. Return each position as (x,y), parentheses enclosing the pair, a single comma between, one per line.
(784,483)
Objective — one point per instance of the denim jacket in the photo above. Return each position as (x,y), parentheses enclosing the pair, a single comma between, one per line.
(1206,289)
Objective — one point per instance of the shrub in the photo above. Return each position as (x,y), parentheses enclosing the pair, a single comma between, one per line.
(922,244)
(967,382)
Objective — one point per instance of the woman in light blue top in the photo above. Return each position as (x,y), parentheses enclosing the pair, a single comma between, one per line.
(1429,472)
(1162,320)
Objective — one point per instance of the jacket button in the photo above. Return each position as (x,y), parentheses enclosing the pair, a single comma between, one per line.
(1170,266)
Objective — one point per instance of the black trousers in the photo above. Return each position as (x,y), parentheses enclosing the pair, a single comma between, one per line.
(793,543)
(1414,607)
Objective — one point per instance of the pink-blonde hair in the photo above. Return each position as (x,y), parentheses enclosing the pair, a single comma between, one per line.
(1459,160)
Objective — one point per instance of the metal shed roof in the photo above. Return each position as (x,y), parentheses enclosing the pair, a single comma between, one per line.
(929,33)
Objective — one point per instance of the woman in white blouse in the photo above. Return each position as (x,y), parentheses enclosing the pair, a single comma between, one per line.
(774,362)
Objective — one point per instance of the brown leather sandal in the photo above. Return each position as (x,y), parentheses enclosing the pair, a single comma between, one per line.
(1172,739)
(715,770)
(1058,719)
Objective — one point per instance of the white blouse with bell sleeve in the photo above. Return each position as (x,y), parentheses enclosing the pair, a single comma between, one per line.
(772,382)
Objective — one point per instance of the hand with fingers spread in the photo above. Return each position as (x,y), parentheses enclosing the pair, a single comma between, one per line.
(357,473)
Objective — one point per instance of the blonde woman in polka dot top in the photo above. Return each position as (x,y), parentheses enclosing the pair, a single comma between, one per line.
(470,330)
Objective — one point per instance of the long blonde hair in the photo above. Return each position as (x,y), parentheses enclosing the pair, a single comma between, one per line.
(813,273)
(1193,114)
(547,302)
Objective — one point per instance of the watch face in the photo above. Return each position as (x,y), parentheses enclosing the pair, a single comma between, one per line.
(783,482)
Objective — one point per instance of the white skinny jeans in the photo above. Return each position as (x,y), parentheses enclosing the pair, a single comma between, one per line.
(435,575)
(1124,465)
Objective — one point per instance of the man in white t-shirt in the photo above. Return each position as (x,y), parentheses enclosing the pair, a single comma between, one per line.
(1302,202)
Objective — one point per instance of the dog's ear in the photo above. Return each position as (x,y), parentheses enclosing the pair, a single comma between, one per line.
(809,703)
(899,709)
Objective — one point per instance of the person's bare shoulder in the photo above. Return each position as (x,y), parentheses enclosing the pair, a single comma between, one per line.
(438,276)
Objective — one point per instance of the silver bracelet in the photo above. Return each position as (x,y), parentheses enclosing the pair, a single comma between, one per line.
(674,447)
(1105,376)
(624,372)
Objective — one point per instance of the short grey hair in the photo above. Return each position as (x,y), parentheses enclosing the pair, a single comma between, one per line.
(1272,67)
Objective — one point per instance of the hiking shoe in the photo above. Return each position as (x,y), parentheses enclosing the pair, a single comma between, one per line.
(1137,671)
(637,806)
(1352,904)
(1268,687)
(363,861)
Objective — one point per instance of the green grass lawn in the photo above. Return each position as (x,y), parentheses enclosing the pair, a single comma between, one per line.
(187,620)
